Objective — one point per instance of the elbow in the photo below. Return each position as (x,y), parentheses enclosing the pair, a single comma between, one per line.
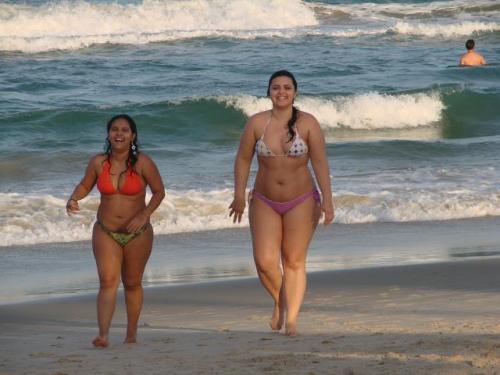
(160,194)
(243,162)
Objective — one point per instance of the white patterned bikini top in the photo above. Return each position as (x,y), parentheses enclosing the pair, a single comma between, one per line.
(298,147)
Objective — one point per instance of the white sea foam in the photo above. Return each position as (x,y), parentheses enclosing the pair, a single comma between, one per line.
(71,25)
(369,10)
(368,111)
(465,28)
(35,219)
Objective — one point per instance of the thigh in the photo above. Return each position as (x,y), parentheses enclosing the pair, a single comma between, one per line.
(136,254)
(266,226)
(108,255)
(298,227)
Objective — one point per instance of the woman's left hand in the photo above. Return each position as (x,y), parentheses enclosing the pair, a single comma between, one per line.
(137,222)
(327,208)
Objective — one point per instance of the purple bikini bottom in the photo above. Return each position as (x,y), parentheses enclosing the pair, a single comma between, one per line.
(283,207)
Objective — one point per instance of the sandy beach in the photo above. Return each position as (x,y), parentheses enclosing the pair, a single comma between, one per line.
(437,318)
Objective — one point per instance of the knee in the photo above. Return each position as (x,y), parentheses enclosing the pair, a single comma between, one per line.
(132,285)
(267,267)
(293,264)
(108,282)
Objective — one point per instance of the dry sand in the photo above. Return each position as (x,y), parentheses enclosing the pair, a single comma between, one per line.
(422,319)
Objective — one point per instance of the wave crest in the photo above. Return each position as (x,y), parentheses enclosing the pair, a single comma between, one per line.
(72,25)
(368,111)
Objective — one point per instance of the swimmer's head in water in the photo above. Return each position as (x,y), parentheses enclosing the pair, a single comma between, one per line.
(470,44)
(281,73)
(134,148)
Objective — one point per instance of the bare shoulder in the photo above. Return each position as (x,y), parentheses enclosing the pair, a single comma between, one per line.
(97,160)
(259,118)
(307,121)
(144,160)
(255,124)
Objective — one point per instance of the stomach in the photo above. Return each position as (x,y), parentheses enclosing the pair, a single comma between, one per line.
(116,211)
(283,180)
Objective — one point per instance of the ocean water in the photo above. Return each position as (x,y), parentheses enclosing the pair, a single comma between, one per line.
(410,135)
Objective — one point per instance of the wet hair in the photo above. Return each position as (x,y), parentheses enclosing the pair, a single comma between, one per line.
(134,148)
(470,44)
(295,111)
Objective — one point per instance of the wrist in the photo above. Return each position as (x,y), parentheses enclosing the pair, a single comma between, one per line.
(239,195)
(145,213)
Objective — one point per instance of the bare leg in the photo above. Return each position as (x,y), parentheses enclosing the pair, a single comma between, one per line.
(266,229)
(135,256)
(108,256)
(298,227)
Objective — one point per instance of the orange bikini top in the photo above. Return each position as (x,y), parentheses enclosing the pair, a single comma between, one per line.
(131,186)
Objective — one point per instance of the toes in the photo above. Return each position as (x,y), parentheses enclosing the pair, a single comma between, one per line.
(99,342)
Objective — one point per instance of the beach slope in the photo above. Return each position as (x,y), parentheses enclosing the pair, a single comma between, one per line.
(419,319)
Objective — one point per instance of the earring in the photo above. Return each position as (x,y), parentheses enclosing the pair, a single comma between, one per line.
(133,147)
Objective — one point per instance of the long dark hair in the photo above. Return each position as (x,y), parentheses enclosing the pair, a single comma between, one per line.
(295,111)
(133,151)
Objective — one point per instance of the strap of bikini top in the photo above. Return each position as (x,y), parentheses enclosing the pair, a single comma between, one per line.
(265,126)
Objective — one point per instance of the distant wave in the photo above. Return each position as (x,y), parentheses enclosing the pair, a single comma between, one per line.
(30,219)
(465,28)
(369,111)
(417,10)
(70,25)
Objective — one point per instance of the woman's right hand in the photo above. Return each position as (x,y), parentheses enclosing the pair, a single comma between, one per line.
(72,206)
(237,207)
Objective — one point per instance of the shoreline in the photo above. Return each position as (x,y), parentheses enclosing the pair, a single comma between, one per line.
(57,270)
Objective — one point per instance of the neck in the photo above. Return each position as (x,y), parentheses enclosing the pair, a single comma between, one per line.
(120,156)
(282,114)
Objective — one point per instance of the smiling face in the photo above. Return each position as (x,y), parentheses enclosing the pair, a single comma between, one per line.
(282,91)
(120,135)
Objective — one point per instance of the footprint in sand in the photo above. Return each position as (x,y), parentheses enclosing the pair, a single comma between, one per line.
(69,359)
(42,355)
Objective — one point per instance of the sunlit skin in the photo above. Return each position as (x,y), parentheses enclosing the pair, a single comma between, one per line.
(121,213)
(280,243)
(472,58)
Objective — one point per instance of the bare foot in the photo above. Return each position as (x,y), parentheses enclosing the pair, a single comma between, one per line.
(130,340)
(291,329)
(276,321)
(100,342)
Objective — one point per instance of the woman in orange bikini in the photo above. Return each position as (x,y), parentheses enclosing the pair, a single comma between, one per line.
(285,205)
(122,238)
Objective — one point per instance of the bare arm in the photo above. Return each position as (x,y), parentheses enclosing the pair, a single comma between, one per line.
(151,175)
(242,165)
(317,153)
(84,187)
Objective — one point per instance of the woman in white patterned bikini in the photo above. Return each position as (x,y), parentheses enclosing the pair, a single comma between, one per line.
(285,205)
